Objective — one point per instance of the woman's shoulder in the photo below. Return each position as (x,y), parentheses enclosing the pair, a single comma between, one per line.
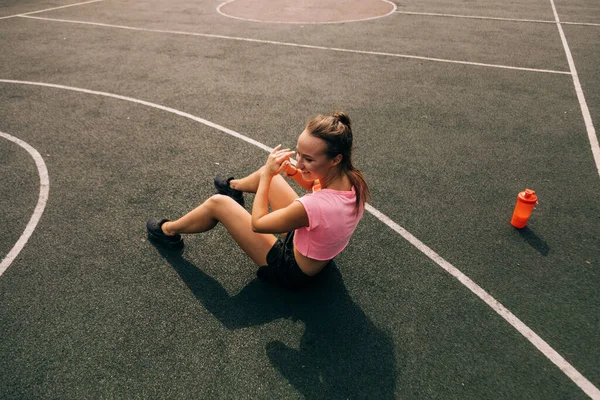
(351,192)
(331,198)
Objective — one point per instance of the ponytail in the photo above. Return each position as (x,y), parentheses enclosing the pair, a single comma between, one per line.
(336,131)
(363,194)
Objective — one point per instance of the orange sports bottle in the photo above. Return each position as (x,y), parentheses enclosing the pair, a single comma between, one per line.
(290,171)
(525,202)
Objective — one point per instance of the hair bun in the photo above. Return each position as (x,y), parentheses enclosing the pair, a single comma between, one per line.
(342,117)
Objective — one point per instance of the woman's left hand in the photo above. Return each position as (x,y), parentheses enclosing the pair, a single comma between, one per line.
(278,160)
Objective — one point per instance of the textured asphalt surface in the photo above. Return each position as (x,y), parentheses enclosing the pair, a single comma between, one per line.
(90,309)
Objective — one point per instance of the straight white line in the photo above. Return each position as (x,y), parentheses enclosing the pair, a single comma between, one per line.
(305,46)
(580,23)
(529,334)
(537,21)
(583,383)
(39,208)
(51,9)
(587,118)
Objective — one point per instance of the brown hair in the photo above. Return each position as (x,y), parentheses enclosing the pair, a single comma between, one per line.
(336,131)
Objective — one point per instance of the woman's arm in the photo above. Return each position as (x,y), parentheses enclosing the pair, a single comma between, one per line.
(286,219)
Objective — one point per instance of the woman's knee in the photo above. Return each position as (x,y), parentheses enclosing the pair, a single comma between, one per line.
(218,203)
(217,200)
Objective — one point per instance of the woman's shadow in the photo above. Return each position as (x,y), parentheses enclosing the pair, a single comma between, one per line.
(341,355)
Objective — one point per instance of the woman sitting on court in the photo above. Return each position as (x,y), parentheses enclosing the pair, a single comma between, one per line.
(318,225)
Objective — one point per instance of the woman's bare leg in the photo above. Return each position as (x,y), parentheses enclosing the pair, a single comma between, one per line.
(235,218)
(281,193)
(249,184)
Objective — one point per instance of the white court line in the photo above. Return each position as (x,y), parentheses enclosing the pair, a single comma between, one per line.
(587,118)
(581,381)
(394,7)
(51,9)
(39,208)
(580,23)
(537,21)
(304,46)
(530,335)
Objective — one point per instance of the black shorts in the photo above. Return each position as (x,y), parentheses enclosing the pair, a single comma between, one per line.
(282,268)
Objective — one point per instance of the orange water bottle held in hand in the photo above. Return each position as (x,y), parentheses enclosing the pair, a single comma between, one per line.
(290,170)
(525,202)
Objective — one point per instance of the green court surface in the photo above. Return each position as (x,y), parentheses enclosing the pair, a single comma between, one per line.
(134,106)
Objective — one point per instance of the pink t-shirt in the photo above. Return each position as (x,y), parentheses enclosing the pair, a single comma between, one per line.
(332,220)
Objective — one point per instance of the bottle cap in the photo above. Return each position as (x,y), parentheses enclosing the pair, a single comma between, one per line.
(528,196)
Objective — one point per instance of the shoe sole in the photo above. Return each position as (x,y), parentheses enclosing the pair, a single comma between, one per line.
(159,240)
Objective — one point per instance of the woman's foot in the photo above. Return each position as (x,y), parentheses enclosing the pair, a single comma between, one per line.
(156,234)
(223,187)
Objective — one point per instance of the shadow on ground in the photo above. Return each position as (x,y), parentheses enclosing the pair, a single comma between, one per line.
(341,355)
(535,241)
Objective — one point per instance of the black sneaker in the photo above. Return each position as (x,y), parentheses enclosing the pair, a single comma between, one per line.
(222,185)
(155,233)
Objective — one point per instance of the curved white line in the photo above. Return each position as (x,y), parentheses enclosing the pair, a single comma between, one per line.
(394,7)
(39,208)
(529,334)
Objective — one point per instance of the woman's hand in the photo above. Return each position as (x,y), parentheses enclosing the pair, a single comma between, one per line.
(278,160)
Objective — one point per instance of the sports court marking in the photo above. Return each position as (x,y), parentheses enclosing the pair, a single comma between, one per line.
(50,9)
(220,11)
(582,382)
(39,208)
(587,118)
(304,46)
(537,21)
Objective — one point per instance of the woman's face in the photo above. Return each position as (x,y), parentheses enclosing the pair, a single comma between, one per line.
(311,159)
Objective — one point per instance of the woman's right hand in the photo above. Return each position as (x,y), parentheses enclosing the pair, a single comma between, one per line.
(278,160)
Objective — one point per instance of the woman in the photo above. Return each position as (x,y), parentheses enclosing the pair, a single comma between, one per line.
(318,225)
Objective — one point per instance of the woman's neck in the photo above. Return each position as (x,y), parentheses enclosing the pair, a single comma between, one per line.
(336,180)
